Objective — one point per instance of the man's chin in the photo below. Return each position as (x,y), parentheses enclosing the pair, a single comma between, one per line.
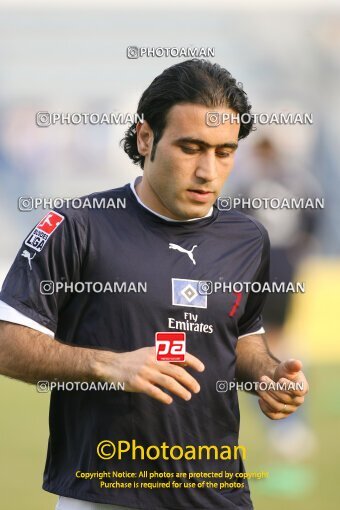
(192,211)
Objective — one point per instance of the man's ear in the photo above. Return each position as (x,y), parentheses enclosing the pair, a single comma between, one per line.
(144,138)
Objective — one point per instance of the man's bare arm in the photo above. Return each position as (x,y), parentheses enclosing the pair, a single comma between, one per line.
(31,356)
(254,359)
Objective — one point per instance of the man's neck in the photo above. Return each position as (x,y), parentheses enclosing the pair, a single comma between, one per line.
(145,197)
(149,199)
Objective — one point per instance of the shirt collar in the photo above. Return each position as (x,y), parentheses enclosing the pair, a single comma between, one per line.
(133,188)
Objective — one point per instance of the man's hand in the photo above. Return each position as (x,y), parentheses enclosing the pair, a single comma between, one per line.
(31,356)
(277,404)
(141,372)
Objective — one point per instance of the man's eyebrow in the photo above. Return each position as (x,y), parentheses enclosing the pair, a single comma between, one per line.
(202,143)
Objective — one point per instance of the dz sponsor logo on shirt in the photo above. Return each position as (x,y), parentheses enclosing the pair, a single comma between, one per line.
(38,238)
(186,293)
(170,346)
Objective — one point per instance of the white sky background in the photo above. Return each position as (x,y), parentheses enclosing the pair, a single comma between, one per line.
(70,56)
(272,5)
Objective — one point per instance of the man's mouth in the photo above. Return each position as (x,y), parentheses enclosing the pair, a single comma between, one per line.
(200,195)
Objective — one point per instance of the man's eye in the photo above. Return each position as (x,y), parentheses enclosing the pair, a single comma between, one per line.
(189,150)
(223,154)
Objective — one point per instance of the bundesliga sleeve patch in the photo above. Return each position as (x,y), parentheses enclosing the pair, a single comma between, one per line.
(38,238)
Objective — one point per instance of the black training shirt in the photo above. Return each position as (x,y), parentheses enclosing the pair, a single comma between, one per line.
(130,248)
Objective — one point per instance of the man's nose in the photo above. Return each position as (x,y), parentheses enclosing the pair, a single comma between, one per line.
(206,168)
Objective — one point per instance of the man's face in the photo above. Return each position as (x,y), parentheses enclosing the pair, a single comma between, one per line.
(191,163)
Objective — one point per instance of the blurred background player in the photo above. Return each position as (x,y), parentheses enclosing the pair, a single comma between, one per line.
(270,175)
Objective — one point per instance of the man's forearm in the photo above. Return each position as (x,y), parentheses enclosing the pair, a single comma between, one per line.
(254,359)
(31,356)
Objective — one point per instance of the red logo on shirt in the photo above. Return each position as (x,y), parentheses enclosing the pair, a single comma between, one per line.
(50,222)
(236,304)
(38,238)
(170,346)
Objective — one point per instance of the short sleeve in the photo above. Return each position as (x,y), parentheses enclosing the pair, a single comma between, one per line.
(54,251)
(251,320)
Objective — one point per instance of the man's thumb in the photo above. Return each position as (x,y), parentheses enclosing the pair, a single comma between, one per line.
(292,366)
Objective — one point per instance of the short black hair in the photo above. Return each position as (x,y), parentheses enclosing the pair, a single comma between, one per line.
(196,81)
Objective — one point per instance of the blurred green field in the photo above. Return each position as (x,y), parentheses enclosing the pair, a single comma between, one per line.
(308,485)
(23,444)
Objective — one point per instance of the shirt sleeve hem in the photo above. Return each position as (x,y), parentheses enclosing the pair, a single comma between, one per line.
(260,331)
(29,312)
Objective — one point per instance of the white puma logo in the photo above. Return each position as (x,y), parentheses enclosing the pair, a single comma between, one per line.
(27,255)
(173,246)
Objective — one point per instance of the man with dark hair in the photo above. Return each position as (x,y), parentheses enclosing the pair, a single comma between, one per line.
(174,421)
(196,82)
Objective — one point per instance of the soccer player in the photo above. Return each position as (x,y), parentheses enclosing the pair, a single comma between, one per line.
(168,239)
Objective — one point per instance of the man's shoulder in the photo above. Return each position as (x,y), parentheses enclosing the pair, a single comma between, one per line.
(243,223)
(102,199)
(81,209)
